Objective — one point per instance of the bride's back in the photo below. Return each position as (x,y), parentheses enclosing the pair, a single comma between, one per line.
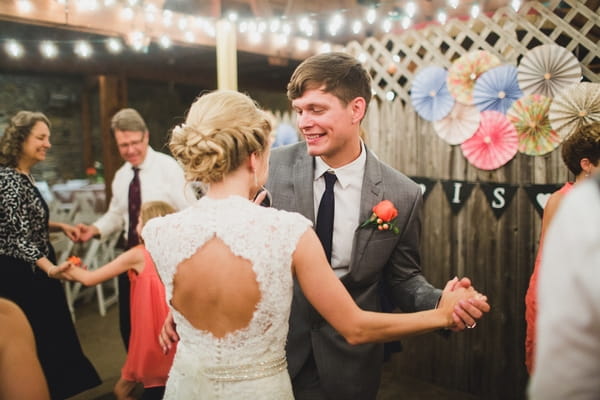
(226,267)
(215,290)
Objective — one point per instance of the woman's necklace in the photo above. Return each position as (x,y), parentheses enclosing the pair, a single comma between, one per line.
(27,174)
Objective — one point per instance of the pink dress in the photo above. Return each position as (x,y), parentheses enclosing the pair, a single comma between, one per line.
(531,300)
(145,361)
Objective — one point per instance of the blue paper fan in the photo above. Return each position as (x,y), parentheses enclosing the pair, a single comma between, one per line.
(497,89)
(429,93)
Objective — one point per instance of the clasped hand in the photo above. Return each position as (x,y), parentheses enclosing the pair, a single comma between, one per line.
(463,304)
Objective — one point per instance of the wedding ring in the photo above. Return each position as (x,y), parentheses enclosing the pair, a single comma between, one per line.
(472,326)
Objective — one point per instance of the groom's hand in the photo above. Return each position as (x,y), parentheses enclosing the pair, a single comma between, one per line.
(467,312)
(168,335)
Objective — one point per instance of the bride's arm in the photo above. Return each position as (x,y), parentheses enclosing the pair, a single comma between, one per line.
(331,299)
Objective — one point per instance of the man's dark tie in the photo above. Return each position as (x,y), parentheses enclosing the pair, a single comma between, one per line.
(325,214)
(135,200)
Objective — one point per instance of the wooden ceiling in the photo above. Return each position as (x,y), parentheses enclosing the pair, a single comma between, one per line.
(264,67)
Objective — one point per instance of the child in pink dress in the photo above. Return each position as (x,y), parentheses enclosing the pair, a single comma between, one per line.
(145,362)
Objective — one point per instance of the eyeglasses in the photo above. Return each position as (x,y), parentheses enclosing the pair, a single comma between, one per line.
(133,143)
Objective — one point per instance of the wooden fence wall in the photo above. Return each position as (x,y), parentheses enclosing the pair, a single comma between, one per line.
(497,254)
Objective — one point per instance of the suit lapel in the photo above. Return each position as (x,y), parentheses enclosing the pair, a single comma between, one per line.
(371,194)
(303,185)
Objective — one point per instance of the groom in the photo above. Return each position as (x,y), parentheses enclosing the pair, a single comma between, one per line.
(330,93)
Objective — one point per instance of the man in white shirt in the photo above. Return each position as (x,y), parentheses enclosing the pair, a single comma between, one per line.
(568,335)
(159,177)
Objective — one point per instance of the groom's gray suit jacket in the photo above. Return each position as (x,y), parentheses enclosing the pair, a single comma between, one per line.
(353,372)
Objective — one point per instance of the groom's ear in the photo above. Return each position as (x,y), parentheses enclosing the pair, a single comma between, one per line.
(358,106)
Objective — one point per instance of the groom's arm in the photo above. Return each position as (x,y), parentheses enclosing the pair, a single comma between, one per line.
(409,289)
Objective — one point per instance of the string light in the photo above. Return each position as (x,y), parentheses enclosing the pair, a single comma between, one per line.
(371,15)
(442,17)
(189,37)
(410,9)
(280,28)
(24,6)
(387,25)
(164,41)
(114,45)
(303,44)
(335,24)
(14,48)
(406,22)
(127,13)
(83,49)
(48,49)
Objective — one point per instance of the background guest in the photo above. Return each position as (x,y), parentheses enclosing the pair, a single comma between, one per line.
(581,154)
(147,175)
(27,259)
(145,361)
(567,357)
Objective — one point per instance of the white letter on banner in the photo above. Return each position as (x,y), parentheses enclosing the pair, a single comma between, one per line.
(499,196)
(456,198)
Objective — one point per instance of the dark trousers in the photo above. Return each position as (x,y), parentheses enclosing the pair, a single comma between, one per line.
(124,309)
(306,384)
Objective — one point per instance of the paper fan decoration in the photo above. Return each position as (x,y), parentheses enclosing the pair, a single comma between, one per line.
(459,125)
(547,70)
(529,115)
(429,93)
(574,107)
(497,89)
(464,72)
(493,144)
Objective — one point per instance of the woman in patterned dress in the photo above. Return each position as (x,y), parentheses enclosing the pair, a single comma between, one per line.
(27,260)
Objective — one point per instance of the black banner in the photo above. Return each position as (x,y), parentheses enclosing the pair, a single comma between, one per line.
(539,194)
(499,196)
(457,193)
(426,185)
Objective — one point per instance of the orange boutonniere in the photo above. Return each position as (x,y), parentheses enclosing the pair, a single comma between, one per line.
(383,217)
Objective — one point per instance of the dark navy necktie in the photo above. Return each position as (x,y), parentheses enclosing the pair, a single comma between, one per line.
(325,214)
(135,200)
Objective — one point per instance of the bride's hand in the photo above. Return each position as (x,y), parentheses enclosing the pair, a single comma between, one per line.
(451,296)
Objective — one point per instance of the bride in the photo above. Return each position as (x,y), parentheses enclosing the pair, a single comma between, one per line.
(228,265)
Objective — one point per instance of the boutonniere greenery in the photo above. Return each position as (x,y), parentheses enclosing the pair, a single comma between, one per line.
(383,217)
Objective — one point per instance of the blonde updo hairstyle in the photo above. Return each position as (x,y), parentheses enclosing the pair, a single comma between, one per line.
(221,130)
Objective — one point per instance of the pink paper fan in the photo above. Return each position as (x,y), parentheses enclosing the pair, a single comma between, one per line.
(494,144)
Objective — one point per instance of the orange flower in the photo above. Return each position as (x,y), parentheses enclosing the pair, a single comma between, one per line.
(385,210)
(383,217)
(90,171)
(74,260)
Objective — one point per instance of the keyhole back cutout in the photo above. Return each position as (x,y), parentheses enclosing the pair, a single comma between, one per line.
(215,290)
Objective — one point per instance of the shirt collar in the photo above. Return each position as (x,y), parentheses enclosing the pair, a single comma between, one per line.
(345,174)
(149,155)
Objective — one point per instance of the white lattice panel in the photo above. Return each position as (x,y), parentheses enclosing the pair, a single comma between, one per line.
(393,60)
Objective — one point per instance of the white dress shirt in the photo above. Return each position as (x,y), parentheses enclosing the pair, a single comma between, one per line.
(567,362)
(347,191)
(161,178)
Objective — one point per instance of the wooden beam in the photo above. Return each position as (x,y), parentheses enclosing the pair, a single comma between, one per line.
(113,96)
(227,68)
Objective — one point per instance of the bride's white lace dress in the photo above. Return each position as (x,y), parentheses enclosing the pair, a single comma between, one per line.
(248,363)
